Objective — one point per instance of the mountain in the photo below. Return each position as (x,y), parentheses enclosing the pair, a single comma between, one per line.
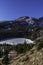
(25,26)
(41,21)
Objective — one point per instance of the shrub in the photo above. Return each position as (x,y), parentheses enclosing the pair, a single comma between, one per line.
(40,45)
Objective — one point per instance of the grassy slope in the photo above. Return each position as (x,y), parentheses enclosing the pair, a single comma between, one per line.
(32,57)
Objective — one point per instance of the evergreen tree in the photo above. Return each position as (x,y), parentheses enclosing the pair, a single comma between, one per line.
(1,53)
(5,60)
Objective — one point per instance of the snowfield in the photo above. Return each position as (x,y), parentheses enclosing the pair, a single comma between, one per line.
(15,41)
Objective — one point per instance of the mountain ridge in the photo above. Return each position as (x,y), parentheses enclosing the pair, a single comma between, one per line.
(25,18)
(24,27)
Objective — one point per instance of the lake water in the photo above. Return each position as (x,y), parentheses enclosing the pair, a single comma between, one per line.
(17,41)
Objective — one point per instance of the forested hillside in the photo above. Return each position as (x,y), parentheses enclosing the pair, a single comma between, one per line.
(27,27)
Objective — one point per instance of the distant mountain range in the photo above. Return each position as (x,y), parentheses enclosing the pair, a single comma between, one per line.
(25,20)
(22,27)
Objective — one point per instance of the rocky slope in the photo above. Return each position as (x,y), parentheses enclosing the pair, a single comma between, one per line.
(32,57)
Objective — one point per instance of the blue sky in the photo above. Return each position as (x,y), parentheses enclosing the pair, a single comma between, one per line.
(12,9)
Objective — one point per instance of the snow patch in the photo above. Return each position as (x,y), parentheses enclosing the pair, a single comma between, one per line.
(15,41)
